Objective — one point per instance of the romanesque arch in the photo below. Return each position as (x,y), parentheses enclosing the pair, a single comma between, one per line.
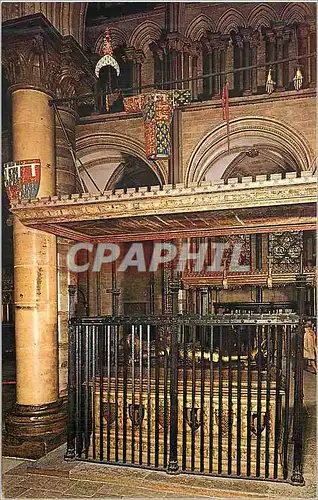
(103,153)
(262,134)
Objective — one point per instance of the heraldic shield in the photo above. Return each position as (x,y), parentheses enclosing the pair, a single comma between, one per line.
(22,179)
(193,417)
(109,411)
(136,413)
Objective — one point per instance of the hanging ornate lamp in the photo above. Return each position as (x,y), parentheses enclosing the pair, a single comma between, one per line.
(270,82)
(107,60)
(298,79)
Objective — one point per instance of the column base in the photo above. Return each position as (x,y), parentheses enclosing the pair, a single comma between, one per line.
(34,431)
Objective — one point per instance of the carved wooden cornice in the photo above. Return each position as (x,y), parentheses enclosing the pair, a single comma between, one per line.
(52,213)
(244,279)
(36,55)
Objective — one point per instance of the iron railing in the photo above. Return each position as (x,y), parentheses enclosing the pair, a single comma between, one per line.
(214,394)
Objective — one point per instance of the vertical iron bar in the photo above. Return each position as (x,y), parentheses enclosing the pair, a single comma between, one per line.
(101,347)
(140,392)
(79,437)
(238,405)
(259,401)
(270,361)
(184,403)
(277,399)
(191,413)
(148,396)
(108,422)
(116,348)
(157,389)
(287,394)
(249,402)
(173,466)
(211,426)
(165,402)
(86,392)
(202,454)
(94,360)
(220,409)
(72,388)
(297,475)
(125,391)
(132,413)
(230,410)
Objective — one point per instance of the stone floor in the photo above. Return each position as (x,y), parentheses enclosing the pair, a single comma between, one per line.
(52,477)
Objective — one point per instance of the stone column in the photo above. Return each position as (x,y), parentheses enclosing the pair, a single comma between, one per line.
(246,39)
(34,61)
(239,62)
(303,34)
(254,44)
(137,58)
(216,46)
(209,67)
(229,64)
(38,411)
(224,44)
(279,31)
(66,183)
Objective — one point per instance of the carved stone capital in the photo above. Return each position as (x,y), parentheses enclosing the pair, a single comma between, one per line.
(135,55)
(171,42)
(36,55)
(238,40)
(278,28)
(269,35)
(215,40)
(246,34)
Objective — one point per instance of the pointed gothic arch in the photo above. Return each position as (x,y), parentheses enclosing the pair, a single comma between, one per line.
(297,12)
(200,26)
(231,20)
(262,15)
(144,34)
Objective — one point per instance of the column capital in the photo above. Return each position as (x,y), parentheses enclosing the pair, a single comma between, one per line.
(269,35)
(135,55)
(37,56)
(246,34)
(215,40)
(278,28)
(238,39)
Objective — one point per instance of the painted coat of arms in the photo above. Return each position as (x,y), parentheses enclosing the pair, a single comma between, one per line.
(22,179)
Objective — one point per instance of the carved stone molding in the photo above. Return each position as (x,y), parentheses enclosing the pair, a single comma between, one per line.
(135,55)
(172,42)
(36,55)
